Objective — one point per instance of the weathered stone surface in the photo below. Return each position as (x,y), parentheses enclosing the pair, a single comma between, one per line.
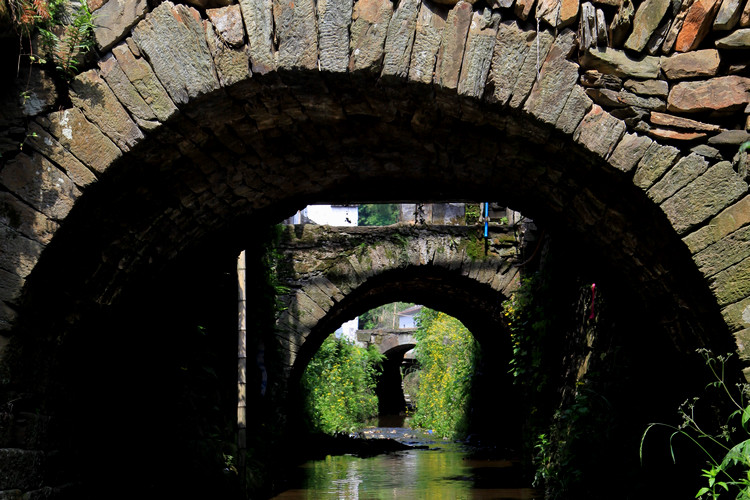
(739,39)
(114,20)
(602,37)
(557,78)
(733,284)
(745,17)
(400,38)
(576,107)
(611,98)
(81,138)
(523,8)
(657,38)
(258,17)
(697,24)
(100,105)
(47,145)
(38,93)
(587,27)
(680,122)
(723,93)
(536,54)
(725,252)
(737,315)
(296,34)
(622,23)
(334,19)
(232,63)
(599,132)
(429,31)
(704,197)
(615,61)
(594,79)
(742,339)
(675,135)
(128,95)
(676,26)
(707,151)
(734,137)
(31,223)
(629,152)
(657,160)
(452,45)
(647,19)
(699,63)
(40,184)
(511,47)
(480,46)
(656,88)
(370,19)
(173,38)
(228,24)
(141,75)
(729,220)
(558,13)
(679,176)
(20,254)
(728,15)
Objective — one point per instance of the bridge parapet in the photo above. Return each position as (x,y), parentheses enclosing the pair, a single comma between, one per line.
(386,339)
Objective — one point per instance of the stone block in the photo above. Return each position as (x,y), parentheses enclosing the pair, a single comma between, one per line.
(429,32)
(21,217)
(599,132)
(334,19)
(557,77)
(739,39)
(620,63)
(725,93)
(737,315)
(90,93)
(453,45)
(511,47)
(40,184)
(232,63)
(656,88)
(699,63)
(657,160)
(680,122)
(675,135)
(732,284)
(480,45)
(174,41)
(679,176)
(704,197)
(629,152)
(227,22)
(539,46)
(114,20)
(696,25)
(126,92)
(143,78)
(576,107)
(82,138)
(370,20)
(40,140)
(730,137)
(400,39)
(647,18)
(258,17)
(728,15)
(725,252)
(296,34)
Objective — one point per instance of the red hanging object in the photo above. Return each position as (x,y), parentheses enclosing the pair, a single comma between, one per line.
(593,296)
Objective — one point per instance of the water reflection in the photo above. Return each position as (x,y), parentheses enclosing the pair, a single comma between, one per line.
(444,471)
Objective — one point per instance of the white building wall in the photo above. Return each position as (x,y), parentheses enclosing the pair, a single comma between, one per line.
(332,215)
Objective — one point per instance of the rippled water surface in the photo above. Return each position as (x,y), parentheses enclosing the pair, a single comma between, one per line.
(443,471)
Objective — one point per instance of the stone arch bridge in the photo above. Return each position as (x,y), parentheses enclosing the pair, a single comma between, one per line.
(620,125)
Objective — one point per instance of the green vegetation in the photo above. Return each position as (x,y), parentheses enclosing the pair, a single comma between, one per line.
(473,214)
(66,36)
(378,214)
(340,384)
(384,316)
(726,449)
(446,352)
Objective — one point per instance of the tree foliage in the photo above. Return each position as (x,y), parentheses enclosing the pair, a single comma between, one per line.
(446,352)
(340,385)
(378,214)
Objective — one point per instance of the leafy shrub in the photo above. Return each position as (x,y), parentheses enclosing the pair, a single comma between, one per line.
(340,385)
(446,351)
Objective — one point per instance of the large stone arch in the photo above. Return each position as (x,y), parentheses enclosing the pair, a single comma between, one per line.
(189,130)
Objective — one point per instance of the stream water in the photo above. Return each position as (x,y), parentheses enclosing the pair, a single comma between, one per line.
(444,470)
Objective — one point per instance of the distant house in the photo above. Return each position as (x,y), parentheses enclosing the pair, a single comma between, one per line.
(406,318)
